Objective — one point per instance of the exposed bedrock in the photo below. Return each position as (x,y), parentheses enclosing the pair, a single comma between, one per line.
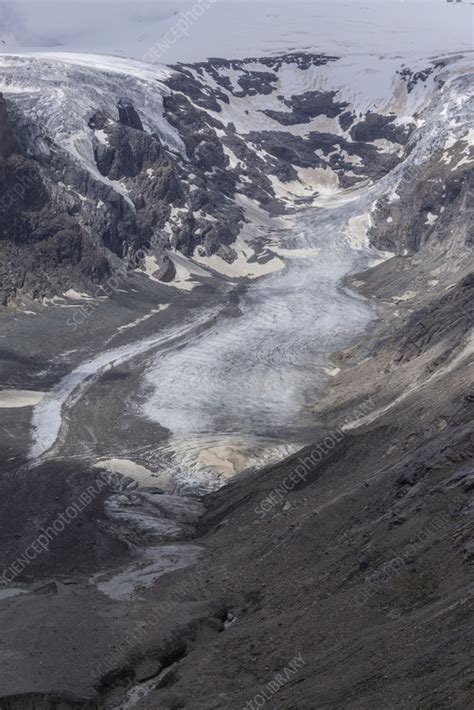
(44,249)
(434,207)
(177,161)
(307,106)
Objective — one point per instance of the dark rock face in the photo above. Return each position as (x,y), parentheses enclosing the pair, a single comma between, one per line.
(412,78)
(434,201)
(435,324)
(353,157)
(302,60)
(299,151)
(127,153)
(307,106)
(256,82)
(346,120)
(196,130)
(251,82)
(43,248)
(98,121)
(8,143)
(374,127)
(185,83)
(128,115)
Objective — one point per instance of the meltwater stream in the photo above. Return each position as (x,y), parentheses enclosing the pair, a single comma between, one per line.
(236,396)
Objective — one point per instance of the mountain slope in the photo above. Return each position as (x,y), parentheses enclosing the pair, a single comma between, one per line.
(137,157)
(351,558)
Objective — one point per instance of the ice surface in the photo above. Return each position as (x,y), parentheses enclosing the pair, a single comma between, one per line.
(225,393)
(238,29)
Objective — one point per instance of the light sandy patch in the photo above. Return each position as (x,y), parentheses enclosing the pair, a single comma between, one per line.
(468,152)
(322,180)
(125,467)
(150,267)
(290,190)
(320,124)
(351,159)
(230,457)
(320,184)
(203,461)
(466,160)
(453,139)
(224,460)
(74,295)
(469,137)
(185,270)
(450,142)
(241,267)
(61,301)
(14,399)
(325,180)
(357,229)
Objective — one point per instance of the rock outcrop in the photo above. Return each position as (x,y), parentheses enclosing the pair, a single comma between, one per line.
(43,247)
